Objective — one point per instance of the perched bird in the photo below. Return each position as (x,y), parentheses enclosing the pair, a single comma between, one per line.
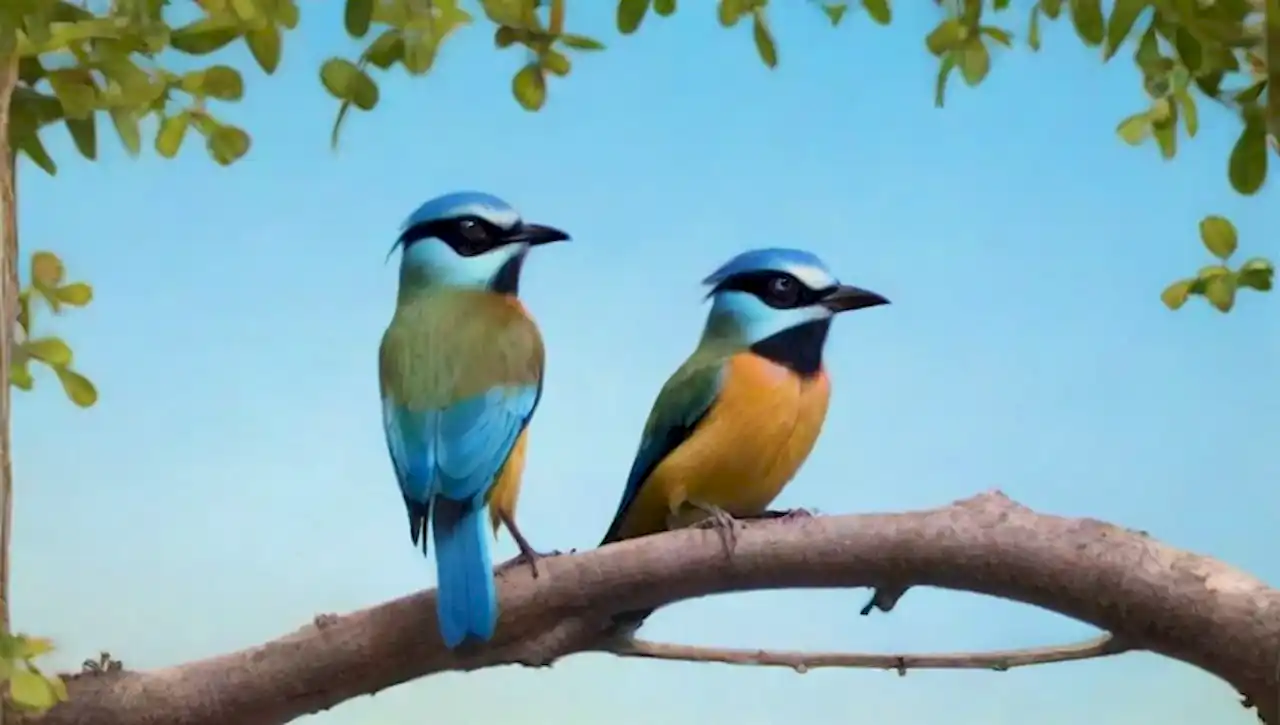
(460,369)
(736,421)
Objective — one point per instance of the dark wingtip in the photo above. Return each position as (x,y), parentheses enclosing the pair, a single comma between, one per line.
(418,515)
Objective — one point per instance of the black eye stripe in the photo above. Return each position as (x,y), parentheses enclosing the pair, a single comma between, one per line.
(764,285)
(481,235)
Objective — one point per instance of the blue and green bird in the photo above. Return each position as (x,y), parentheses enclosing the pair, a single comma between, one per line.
(460,370)
(736,421)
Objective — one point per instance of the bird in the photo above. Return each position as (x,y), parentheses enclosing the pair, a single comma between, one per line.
(460,370)
(734,423)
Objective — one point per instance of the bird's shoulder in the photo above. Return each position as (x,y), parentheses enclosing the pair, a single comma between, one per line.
(690,390)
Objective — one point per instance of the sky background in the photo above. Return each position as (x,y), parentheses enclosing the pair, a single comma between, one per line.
(233,480)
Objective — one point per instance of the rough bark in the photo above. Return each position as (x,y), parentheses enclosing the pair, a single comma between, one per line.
(1148,595)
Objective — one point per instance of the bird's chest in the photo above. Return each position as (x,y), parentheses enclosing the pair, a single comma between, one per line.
(764,426)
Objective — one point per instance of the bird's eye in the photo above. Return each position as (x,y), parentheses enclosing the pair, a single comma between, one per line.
(469,237)
(783,291)
(471,230)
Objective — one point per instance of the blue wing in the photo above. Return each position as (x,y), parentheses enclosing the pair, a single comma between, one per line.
(456,452)
(681,405)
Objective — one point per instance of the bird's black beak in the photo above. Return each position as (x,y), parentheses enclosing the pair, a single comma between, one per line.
(535,234)
(847,297)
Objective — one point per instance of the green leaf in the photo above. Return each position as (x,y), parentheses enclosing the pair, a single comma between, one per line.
(172,130)
(28,142)
(975,61)
(879,11)
(1219,236)
(264,43)
(203,37)
(84,132)
(1258,274)
(1135,129)
(555,63)
(227,144)
(20,375)
(765,47)
(1033,29)
(48,350)
(630,14)
(222,82)
(835,12)
(1051,8)
(1220,290)
(948,35)
(1147,55)
(581,42)
(1086,16)
(1166,135)
(530,87)
(1189,112)
(1247,167)
(664,8)
(26,647)
(945,66)
(76,294)
(1175,295)
(357,16)
(999,35)
(729,12)
(126,123)
(77,387)
(76,92)
(347,82)
(387,48)
(30,690)
(47,270)
(1123,15)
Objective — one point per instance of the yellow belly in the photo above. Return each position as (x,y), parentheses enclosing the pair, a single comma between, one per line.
(751,443)
(506,490)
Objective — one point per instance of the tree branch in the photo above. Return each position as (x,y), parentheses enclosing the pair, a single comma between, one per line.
(998,660)
(1150,596)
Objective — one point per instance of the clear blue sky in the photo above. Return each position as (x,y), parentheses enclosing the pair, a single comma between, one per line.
(233,480)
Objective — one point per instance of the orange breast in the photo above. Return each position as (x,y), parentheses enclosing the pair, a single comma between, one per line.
(751,443)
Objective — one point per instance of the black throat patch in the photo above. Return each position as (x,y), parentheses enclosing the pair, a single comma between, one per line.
(798,348)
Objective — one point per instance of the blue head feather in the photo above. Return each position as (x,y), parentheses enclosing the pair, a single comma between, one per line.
(432,263)
(741,318)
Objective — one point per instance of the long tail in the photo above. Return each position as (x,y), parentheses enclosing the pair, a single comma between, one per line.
(466,600)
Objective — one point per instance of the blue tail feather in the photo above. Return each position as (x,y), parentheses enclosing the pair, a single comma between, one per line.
(466,599)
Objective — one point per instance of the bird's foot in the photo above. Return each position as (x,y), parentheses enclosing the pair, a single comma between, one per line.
(528,558)
(324,621)
(721,521)
(884,599)
(789,514)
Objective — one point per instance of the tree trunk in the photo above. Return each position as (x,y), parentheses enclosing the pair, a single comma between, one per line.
(8,320)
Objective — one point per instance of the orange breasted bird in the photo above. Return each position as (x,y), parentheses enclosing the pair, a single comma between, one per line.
(736,421)
(460,368)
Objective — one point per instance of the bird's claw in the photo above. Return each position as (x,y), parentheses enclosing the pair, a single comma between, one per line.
(721,521)
(528,558)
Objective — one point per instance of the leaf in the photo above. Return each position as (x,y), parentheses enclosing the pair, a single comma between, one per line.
(30,690)
(264,43)
(555,63)
(26,647)
(20,376)
(227,144)
(945,66)
(347,82)
(84,133)
(835,12)
(975,61)
(1123,15)
(76,93)
(530,87)
(1220,290)
(581,42)
(76,294)
(1166,135)
(1135,129)
(1189,112)
(419,53)
(1086,16)
(630,14)
(947,36)
(202,37)
(1175,295)
(1219,236)
(1258,274)
(29,143)
(1033,29)
(1247,167)
(729,12)
(357,16)
(387,48)
(126,123)
(222,82)
(77,387)
(172,130)
(664,8)
(47,271)
(879,11)
(765,47)
(999,35)
(48,350)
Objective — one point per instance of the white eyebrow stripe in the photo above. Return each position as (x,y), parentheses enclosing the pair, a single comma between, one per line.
(815,278)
